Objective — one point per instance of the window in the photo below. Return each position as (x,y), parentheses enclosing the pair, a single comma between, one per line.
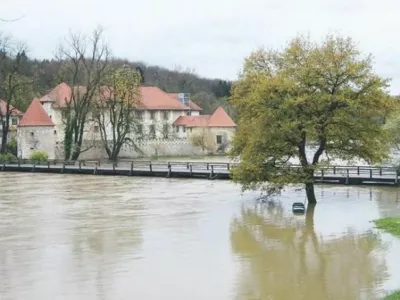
(139,115)
(190,129)
(96,128)
(177,129)
(55,131)
(219,139)
(165,131)
(14,121)
(165,115)
(152,131)
(188,113)
(32,134)
(152,115)
(184,128)
(140,129)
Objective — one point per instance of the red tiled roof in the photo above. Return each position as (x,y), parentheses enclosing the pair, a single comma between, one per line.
(221,119)
(152,98)
(192,121)
(192,105)
(3,109)
(36,115)
(61,94)
(218,119)
(58,95)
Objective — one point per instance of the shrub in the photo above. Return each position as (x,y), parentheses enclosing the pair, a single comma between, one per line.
(12,146)
(39,156)
(7,157)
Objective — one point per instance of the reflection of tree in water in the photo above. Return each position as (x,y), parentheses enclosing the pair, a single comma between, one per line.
(283,259)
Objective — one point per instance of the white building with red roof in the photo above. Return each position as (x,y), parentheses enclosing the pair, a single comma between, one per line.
(215,130)
(164,117)
(36,132)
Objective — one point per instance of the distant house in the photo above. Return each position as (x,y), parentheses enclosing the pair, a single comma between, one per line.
(15,117)
(218,128)
(36,132)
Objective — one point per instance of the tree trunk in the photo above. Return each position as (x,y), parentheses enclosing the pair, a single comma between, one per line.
(310,193)
(3,149)
(75,154)
(310,216)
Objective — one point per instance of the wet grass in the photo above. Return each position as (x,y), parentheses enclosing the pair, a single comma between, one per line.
(393,296)
(390,225)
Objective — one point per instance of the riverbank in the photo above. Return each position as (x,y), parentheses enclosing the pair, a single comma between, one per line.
(392,226)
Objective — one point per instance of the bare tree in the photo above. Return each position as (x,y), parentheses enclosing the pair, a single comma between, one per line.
(84,62)
(202,138)
(116,111)
(12,83)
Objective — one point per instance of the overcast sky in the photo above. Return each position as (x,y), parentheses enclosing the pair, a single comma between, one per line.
(210,36)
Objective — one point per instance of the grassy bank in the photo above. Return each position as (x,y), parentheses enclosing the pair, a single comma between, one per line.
(390,225)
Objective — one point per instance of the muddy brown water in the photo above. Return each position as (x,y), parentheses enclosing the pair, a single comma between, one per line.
(97,237)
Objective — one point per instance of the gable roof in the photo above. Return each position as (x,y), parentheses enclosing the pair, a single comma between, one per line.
(36,115)
(3,109)
(218,119)
(192,121)
(192,105)
(61,94)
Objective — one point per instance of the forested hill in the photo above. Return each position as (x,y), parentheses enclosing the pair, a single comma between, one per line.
(208,93)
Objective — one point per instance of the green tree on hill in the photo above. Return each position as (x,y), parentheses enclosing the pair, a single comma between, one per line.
(324,95)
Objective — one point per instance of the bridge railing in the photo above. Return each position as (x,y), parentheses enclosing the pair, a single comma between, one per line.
(365,171)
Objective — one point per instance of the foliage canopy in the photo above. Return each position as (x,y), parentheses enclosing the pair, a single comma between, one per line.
(325,95)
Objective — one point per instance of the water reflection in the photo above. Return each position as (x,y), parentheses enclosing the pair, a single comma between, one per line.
(283,257)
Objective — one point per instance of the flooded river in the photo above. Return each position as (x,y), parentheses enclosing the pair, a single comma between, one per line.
(97,237)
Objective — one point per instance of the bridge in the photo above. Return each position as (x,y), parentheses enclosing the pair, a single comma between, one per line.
(351,175)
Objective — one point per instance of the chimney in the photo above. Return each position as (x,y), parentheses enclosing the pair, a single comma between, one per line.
(184,98)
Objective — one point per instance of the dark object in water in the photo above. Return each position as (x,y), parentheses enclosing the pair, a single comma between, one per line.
(298,208)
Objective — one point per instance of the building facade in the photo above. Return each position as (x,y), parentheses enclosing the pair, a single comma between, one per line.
(164,120)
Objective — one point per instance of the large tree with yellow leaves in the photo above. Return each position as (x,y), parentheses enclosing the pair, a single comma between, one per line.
(324,94)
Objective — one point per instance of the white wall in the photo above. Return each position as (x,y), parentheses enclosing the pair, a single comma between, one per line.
(210,134)
(92,130)
(36,138)
(148,148)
